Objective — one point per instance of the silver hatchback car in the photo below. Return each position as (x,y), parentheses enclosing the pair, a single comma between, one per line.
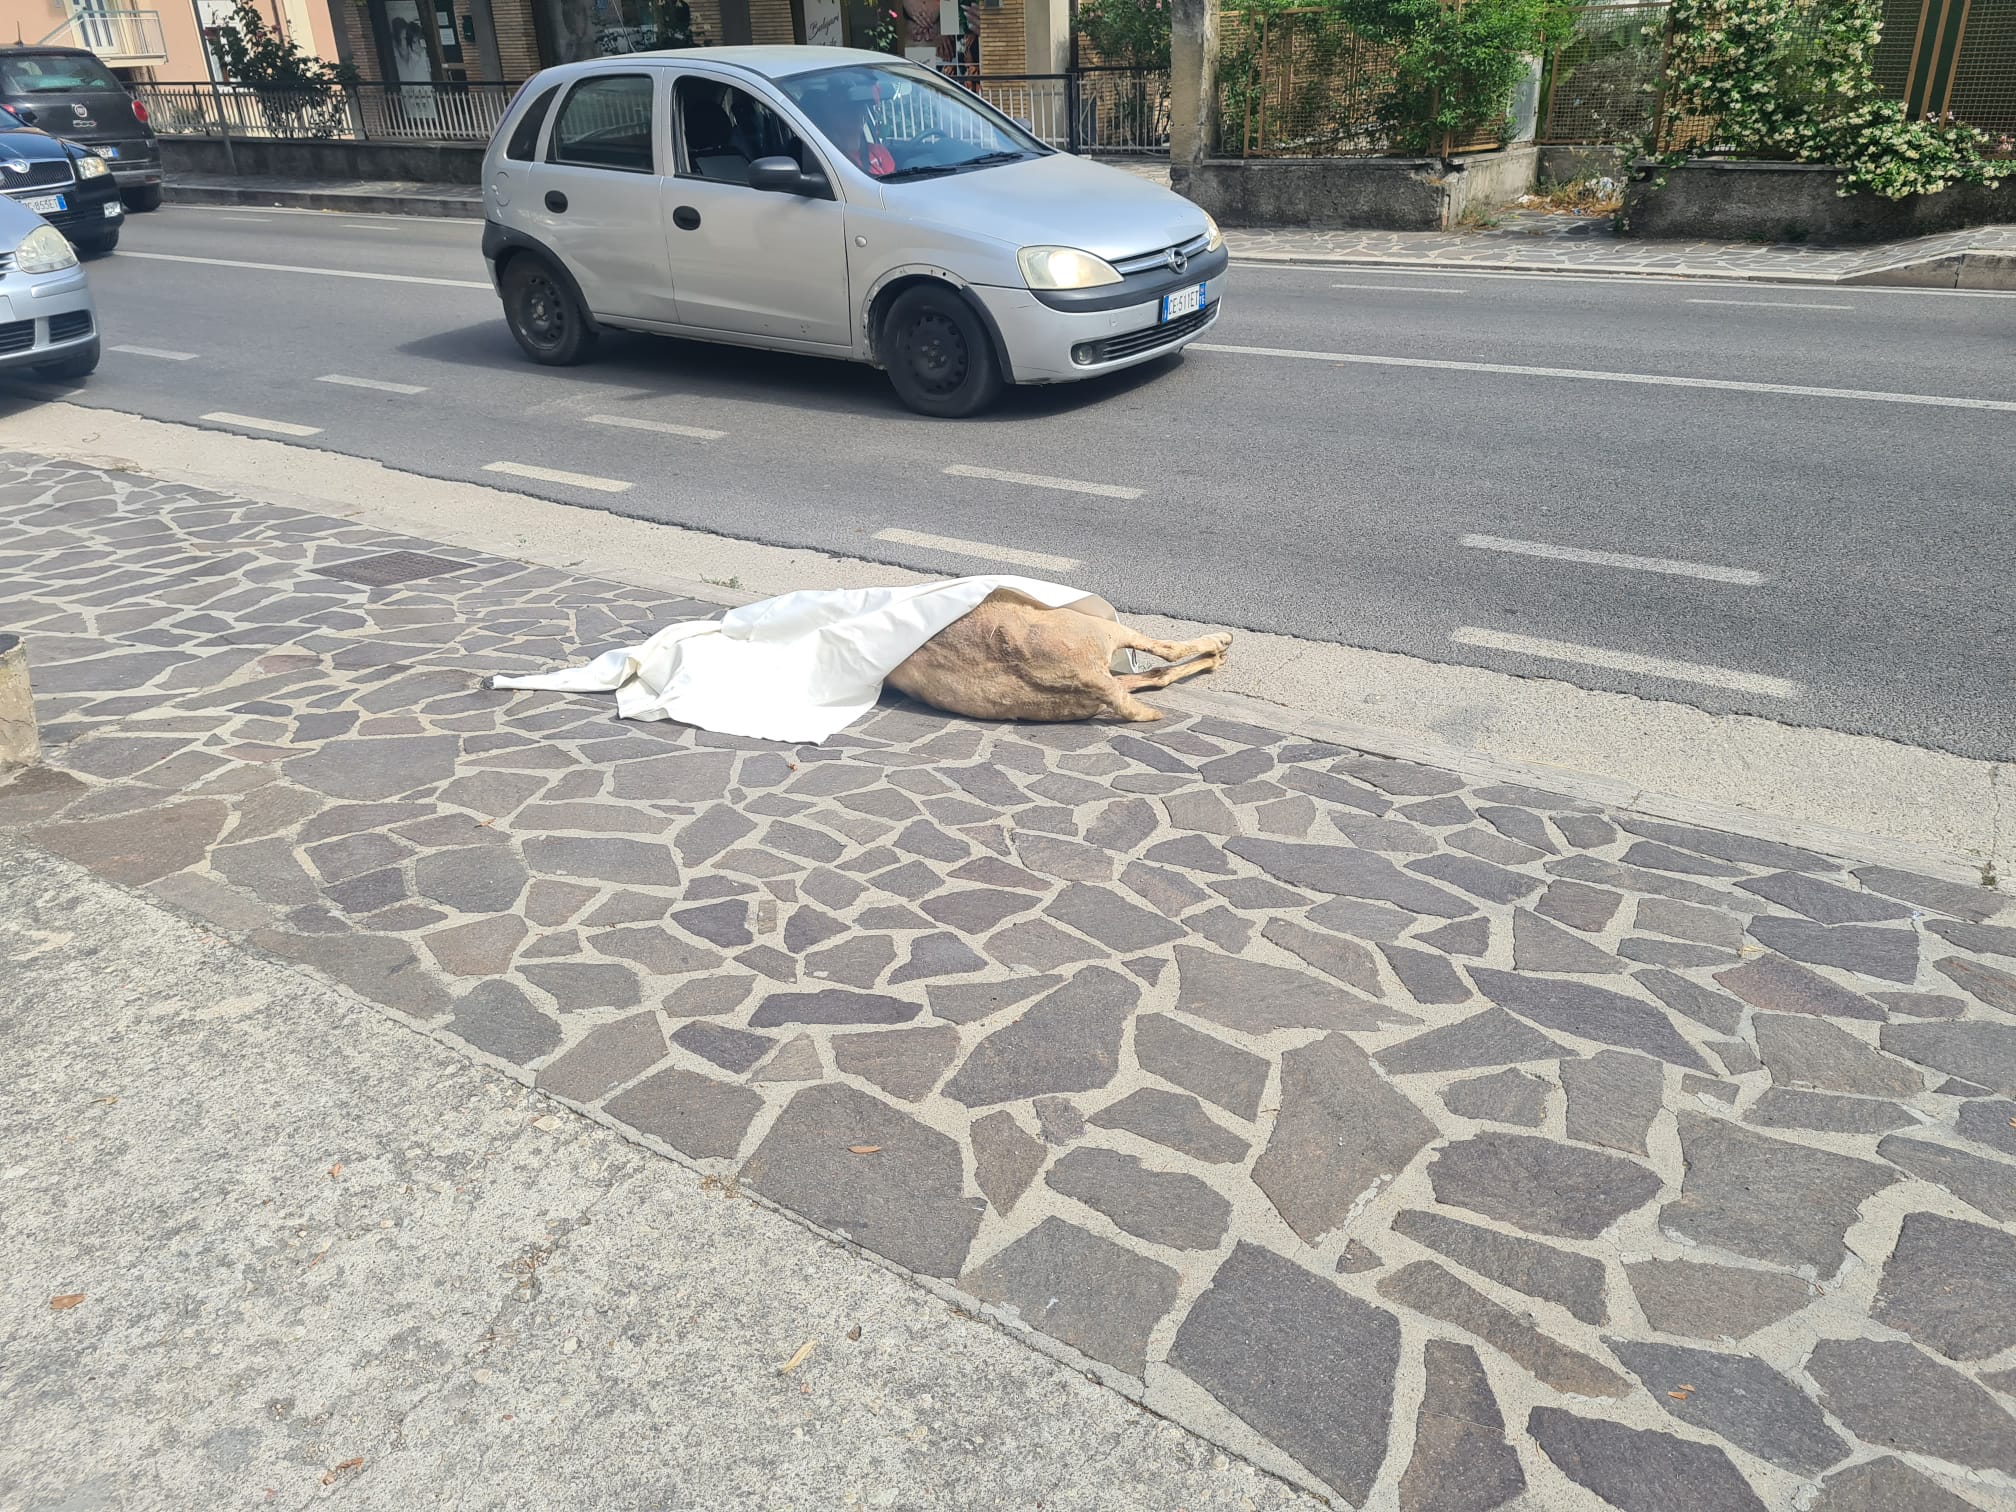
(836,203)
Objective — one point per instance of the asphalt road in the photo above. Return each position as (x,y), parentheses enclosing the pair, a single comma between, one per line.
(1361,456)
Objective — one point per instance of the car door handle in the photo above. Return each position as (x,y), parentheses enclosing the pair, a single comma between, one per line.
(556,201)
(686,218)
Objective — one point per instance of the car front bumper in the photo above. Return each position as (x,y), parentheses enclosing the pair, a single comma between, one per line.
(93,207)
(44,316)
(1045,345)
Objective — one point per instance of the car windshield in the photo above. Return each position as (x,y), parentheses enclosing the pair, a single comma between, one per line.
(56,73)
(898,121)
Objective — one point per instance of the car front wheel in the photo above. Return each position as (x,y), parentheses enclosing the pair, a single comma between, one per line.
(95,246)
(940,358)
(544,315)
(142,200)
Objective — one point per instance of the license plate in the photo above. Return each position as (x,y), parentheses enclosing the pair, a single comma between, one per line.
(107,152)
(1183,302)
(45,204)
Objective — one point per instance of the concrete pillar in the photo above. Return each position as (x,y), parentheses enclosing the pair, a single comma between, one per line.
(1047,26)
(1193,83)
(19,743)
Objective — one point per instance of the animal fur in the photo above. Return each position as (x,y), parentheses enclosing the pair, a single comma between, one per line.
(1012,659)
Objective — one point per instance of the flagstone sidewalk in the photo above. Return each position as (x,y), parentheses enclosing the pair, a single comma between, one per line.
(1435,1144)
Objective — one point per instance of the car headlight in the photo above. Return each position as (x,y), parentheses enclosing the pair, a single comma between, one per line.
(1064,268)
(91,166)
(44,250)
(1217,237)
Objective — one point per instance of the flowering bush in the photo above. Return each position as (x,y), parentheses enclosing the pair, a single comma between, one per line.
(886,35)
(1794,80)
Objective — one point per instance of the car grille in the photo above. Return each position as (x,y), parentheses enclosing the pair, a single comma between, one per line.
(73,325)
(1158,260)
(17,336)
(42,174)
(1134,343)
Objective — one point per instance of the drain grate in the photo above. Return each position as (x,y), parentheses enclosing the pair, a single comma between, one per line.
(388,568)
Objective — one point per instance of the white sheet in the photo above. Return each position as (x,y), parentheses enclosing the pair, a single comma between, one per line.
(799,668)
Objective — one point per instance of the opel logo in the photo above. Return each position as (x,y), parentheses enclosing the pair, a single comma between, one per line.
(1178,260)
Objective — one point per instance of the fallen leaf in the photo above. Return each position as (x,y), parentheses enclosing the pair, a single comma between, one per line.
(854,1333)
(1678,1396)
(863,1149)
(804,1353)
(336,1170)
(546,1121)
(106,1102)
(65,1302)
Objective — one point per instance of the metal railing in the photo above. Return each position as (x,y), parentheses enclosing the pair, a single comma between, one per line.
(1600,85)
(1093,110)
(114,33)
(355,112)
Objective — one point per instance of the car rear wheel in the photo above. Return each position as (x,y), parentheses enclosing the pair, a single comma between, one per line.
(81,363)
(940,358)
(544,315)
(140,201)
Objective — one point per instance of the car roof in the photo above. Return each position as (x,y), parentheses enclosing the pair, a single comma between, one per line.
(770,62)
(34,49)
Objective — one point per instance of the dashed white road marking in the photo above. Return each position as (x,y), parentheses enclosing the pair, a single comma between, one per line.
(1400,288)
(1626,661)
(1037,480)
(162,352)
(982,550)
(555,475)
(1666,565)
(659,427)
(1659,380)
(1772,304)
(264,267)
(372,383)
(253,422)
(228,215)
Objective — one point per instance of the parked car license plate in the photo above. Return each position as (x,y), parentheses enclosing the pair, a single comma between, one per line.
(106,152)
(43,204)
(1183,302)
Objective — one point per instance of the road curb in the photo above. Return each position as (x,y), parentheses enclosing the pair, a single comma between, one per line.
(356,202)
(1984,270)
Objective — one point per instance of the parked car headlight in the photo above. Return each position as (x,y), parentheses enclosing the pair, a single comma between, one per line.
(91,166)
(1064,268)
(1217,237)
(44,250)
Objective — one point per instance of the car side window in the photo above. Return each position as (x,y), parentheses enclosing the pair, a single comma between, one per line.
(722,130)
(524,143)
(605,122)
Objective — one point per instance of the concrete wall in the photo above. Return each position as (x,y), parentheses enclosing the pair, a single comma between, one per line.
(1795,202)
(1379,194)
(327,162)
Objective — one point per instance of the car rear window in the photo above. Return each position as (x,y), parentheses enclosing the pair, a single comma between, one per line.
(606,123)
(525,135)
(55,73)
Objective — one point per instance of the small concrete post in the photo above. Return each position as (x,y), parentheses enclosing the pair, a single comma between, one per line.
(20,744)
(1193,87)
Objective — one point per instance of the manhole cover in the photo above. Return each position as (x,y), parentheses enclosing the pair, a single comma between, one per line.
(390,567)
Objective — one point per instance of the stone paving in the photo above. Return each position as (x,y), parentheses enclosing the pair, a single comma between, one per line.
(1445,1146)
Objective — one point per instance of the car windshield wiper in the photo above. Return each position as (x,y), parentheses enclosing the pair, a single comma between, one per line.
(922,170)
(994,157)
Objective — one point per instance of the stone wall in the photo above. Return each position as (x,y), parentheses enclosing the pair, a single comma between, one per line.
(1726,201)
(1383,194)
(418,162)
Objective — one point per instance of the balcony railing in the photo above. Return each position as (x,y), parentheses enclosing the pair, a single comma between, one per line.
(124,38)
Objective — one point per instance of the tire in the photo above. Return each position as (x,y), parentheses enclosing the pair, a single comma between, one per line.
(140,201)
(76,365)
(939,355)
(544,316)
(95,246)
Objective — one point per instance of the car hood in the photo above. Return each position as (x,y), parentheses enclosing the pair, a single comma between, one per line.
(1059,201)
(32,143)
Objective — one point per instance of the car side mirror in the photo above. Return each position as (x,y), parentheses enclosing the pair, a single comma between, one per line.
(25,114)
(782,175)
